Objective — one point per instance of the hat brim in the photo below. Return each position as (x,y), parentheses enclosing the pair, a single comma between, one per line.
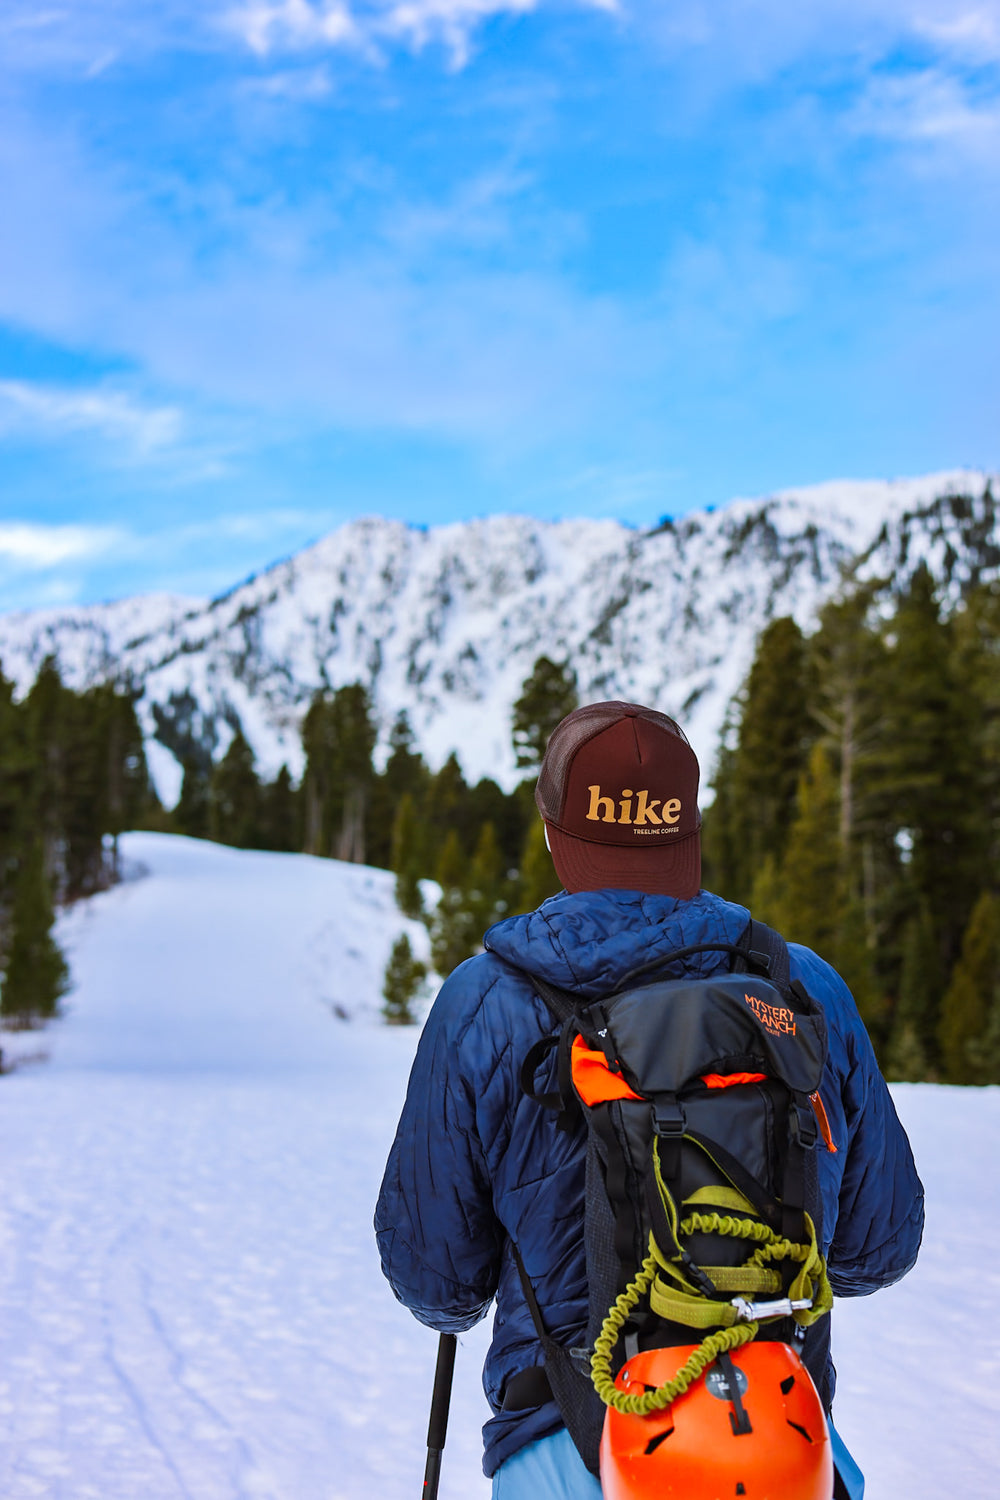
(673,869)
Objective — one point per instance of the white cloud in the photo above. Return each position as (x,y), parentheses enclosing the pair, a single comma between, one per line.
(270,26)
(417,23)
(974,35)
(31,546)
(930,106)
(111,413)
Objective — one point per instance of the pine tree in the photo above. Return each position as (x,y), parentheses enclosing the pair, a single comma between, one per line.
(811,869)
(84,811)
(928,769)
(509,812)
(977,665)
(538,878)
(316,779)
(971,996)
(913,1047)
(768,895)
(405,770)
(126,777)
(855,958)
(848,669)
(406,845)
(546,697)
(452,927)
(486,882)
(279,814)
(985,1054)
(721,856)
(906,1060)
(338,737)
(15,798)
(757,783)
(234,797)
(404,979)
(47,736)
(354,737)
(36,973)
(806,897)
(190,816)
(405,774)
(849,664)
(445,807)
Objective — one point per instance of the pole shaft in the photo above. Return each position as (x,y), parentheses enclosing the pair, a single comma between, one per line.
(437,1427)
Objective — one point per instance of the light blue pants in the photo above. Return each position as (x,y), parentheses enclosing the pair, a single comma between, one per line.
(551,1469)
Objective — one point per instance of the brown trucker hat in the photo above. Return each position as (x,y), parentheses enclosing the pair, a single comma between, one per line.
(618,790)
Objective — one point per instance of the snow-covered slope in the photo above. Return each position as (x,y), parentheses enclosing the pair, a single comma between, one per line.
(448,622)
(190,1301)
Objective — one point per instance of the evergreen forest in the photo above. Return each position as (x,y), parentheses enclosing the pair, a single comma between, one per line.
(856,808)
(72,778)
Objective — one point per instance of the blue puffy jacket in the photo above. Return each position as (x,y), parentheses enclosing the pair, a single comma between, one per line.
(476,1165)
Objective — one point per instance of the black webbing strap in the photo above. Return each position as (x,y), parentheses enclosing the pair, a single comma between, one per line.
(529,1295)
(563,1005)
(563,1100)
(616,1185)
(572,1390)
(739,1420)
(533,1060)
(802,1133)
(744,1181)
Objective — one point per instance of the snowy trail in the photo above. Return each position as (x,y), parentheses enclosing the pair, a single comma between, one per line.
(190,1300)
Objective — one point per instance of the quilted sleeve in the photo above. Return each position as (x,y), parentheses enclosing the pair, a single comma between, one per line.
(881,1211)
(438,1237)
(880,1199)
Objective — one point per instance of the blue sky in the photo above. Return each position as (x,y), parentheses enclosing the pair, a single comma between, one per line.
(266,265)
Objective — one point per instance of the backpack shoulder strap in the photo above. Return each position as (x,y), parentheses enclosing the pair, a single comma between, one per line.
(763,951)
(562,1003)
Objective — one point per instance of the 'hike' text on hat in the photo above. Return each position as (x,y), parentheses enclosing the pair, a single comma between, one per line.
(618,790)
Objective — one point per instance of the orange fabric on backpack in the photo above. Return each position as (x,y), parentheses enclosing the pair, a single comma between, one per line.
(727,1080)
(819,1110)
(592,1077)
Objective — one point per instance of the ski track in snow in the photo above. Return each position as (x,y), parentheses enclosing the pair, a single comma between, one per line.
(190,1301)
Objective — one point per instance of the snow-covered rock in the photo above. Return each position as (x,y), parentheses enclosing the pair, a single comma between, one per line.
(447,622)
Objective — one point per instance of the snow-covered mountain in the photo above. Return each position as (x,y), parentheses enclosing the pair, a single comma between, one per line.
(447,622)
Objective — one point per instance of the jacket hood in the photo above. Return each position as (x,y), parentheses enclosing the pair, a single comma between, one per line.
(589,942)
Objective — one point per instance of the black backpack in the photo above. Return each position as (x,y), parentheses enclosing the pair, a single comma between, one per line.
(702,1111)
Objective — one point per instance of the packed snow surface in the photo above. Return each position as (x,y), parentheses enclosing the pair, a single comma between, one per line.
(190,1301)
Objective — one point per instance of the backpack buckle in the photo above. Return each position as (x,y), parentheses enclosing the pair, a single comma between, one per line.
(760,961)
(804,1128)
(669,1119)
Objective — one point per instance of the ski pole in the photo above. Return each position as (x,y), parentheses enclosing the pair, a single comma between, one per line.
(437,1427)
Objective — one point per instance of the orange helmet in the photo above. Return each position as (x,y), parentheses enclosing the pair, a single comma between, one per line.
(693,1450)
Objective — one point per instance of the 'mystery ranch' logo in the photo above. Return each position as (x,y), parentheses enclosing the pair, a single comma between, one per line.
(642,817)
(777,1019)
